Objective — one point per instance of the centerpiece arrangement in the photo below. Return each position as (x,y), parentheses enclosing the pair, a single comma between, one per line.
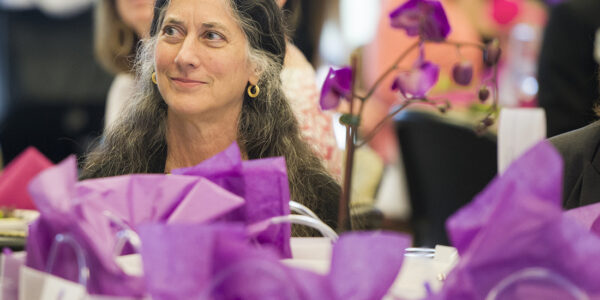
(426,21)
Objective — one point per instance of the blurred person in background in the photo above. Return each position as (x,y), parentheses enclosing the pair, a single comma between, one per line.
(119,26)
(580,150)
(208,76)
(568,70)
(55,91)
(299,85)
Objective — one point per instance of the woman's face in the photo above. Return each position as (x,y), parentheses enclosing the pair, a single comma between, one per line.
(137,14)
(201,60)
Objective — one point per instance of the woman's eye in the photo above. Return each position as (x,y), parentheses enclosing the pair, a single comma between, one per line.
(213,36)
(170,30)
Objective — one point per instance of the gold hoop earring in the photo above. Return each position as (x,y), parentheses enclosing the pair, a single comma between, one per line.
(154,77)
(256,91)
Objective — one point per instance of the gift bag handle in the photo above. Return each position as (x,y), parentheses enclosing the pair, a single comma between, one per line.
(536,273)
(419,252)
(302,210)
(126,234)
(66,239)
(317,224)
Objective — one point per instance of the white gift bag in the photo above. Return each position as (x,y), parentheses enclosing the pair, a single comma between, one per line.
(310,253)
(519,129)
(10,264)
(38,285)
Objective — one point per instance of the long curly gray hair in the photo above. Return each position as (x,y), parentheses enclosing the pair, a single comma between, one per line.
(136,142)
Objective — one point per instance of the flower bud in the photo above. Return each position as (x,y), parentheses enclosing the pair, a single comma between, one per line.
(483,94)
(462,72)
(484,125)
(491,53)
(444,107)
(487,122)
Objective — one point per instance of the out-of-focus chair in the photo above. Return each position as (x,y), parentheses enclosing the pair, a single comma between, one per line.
(52,92)
(446,165)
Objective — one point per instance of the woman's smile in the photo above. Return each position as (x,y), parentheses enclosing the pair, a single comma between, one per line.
(187,82)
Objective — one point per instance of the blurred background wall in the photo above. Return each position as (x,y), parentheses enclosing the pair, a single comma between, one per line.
(52,91)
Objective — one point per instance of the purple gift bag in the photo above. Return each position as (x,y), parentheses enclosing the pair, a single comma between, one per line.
(588,216)
(365,264)
(216,261)
(529,174)
(516,242)
(263,184)
(93,211)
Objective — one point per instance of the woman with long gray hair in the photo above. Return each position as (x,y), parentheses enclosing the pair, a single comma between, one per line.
(208,76)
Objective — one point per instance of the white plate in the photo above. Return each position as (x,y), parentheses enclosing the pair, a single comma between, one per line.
(19,223)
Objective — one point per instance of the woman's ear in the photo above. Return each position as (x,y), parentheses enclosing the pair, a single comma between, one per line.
(253,79)
(254,71)
(254,76)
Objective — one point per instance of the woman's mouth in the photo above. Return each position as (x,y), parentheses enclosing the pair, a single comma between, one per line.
(186,82)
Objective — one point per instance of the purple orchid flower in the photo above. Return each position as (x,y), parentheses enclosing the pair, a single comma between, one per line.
(415,83)
(424,18)
(337,85)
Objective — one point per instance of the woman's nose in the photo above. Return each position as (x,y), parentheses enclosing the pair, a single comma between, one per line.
(188,56)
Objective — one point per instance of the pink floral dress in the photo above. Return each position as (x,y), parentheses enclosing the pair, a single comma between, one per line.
(316,126)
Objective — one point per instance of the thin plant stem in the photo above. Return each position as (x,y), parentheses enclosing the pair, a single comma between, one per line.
(462,44)
(389,116)
(360,109)
(495,81)
(344,203)
(402,55)
(393,67)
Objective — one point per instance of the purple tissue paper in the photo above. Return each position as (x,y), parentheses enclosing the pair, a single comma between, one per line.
(216,261)
(86,210)
(516,229)
(263,183)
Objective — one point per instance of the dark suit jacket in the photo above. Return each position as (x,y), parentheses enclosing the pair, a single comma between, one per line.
(567,71)
(581,153)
